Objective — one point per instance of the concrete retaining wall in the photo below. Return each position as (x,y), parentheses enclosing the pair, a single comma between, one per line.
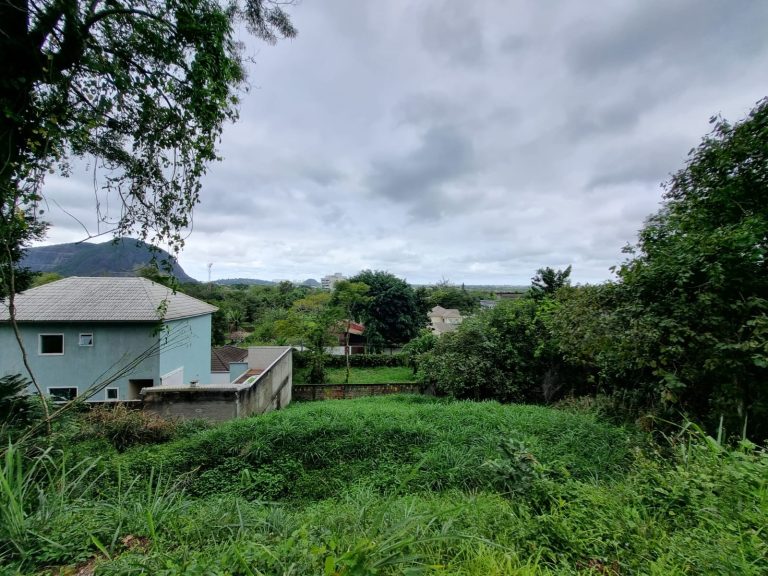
(270,390)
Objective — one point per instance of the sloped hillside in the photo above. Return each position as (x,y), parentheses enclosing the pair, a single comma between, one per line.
(119,258)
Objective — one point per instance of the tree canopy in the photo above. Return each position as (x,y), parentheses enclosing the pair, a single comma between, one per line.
(547,281)
(699,275)
(142,88)
(390,313)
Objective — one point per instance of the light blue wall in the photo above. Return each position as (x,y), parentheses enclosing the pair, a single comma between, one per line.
(189,346)
(81,366)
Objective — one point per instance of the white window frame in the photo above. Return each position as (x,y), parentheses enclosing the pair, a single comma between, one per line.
(80,339)
(106,395)
(40,345)
(77,392)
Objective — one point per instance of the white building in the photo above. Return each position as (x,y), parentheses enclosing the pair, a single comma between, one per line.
(328,282)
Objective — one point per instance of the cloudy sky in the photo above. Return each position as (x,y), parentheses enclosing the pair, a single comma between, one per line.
(468,141)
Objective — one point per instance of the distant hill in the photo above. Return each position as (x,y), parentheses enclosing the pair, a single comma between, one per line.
(311,282)
(243,282)
(121,258)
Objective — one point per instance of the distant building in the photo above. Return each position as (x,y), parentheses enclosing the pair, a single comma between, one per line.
(328,282)
(488,304)
(444,319)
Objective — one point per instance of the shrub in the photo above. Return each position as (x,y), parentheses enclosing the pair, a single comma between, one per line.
(124,427)
(17,409)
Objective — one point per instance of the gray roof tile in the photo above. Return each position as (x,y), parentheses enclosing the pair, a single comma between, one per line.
(103,299)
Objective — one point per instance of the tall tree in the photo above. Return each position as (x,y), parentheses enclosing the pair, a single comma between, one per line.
(392,315)
(316,322)
(349,297)
(698,277)
(548,281)
(141,86)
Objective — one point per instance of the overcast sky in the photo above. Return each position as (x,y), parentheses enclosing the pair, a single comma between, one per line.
(471,141)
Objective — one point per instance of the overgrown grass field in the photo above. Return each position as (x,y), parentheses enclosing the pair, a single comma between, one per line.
(392,485)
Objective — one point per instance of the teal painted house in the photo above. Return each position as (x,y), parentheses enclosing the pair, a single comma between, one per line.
(116,334)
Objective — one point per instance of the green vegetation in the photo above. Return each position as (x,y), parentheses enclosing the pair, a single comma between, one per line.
(74,80)
(683,330)
(396,485)
(379,375)
(390,312)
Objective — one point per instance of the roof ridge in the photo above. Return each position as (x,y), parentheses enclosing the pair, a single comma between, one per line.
(146,284)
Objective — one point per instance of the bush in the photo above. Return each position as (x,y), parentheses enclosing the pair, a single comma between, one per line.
(17,409)
(124,427)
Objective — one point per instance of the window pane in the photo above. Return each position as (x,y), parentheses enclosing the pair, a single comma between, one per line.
(51,344)
(62,394)
(86,339)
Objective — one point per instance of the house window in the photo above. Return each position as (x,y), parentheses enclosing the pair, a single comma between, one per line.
(113,393)
(52,344)
(63,394)
(86,339)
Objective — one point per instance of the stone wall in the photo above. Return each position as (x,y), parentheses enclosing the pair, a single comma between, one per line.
(348,391)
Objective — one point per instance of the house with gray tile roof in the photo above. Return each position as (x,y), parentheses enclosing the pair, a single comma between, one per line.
(129,332)
(444,320)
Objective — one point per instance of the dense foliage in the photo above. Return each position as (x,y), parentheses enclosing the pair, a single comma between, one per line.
(391,313)
(301,360)
(142,86)
(697,280)
(17,409)
(449,296)
(684,329)
(389,486)
(505,354)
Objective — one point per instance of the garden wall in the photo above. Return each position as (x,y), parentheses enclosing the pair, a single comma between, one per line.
(348,391)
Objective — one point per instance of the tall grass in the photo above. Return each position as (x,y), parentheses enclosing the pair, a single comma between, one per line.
(314,451)
(518,491)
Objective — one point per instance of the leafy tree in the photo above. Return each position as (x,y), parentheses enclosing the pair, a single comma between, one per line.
(462,364)
(349,297)
(416,348)
(449,296)
(697,279)
(505,354)
(392,315)
(316,322)
(142,86)
(547,281)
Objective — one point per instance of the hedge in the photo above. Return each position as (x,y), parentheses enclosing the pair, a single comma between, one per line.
(301,360)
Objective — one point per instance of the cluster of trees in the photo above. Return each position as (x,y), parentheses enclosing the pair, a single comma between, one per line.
(683,329)
(392,311)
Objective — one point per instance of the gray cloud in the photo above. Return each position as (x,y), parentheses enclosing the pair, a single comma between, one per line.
(514,43)
(702,36)
(451,32)
(476,141)
(419,177)
(649,164)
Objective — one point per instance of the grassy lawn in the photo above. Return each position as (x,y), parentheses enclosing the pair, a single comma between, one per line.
(379,375)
